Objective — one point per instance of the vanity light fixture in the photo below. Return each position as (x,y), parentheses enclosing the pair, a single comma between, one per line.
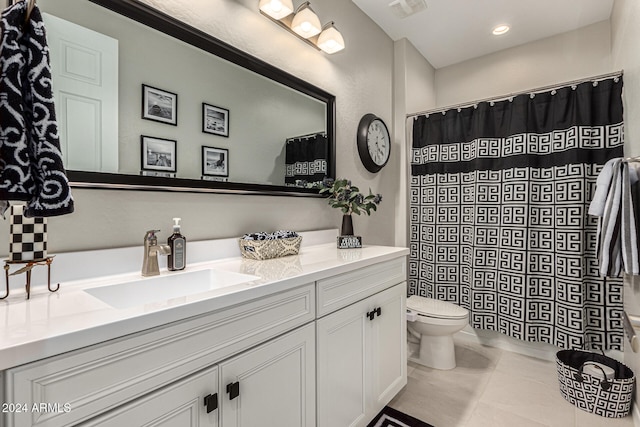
(304,24)
(500,29)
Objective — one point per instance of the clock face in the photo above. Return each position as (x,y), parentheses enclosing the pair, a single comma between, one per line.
(378,142)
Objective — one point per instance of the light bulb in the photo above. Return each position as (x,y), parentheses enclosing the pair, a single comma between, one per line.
(500,29)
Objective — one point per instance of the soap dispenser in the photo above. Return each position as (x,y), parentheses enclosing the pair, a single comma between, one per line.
(178,257)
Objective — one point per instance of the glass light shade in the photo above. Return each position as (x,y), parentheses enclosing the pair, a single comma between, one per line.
(306,23)
(330,40)
(277,9)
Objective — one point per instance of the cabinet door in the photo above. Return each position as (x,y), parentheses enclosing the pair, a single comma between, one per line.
(181,404)
(271,385)
(361,358)
(388,346)
(342,378)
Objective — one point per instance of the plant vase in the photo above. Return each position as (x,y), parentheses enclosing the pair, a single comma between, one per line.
(347,240)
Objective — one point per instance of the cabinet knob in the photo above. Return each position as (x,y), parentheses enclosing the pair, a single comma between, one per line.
(211,402)
(234,390)
(378,311)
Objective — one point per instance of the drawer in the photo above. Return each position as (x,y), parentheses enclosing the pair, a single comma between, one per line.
(340,291)
(101,377)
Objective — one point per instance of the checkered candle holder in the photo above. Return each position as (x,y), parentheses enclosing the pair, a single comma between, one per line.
(28,236)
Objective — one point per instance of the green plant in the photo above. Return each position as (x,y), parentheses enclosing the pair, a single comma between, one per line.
(347,197)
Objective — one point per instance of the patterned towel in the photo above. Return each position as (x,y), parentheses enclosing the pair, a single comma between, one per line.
(31,167)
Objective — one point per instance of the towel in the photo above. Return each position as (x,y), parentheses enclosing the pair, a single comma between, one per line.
(31,167)
(617,233)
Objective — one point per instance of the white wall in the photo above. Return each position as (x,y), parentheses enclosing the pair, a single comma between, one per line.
(361,77)
(414,91)
(574,55)
(625,23)
(625,33)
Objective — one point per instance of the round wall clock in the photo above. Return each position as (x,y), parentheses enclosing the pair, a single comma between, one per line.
(374,142)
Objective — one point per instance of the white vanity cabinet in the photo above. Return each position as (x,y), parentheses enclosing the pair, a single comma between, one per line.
(272,384)
(362,346)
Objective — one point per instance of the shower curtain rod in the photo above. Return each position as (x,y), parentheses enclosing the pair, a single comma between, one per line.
(306,136)
(511,95)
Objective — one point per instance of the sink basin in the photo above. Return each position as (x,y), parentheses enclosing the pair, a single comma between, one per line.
(160,288)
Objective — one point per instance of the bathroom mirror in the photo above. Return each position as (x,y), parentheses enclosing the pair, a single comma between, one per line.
(145,101)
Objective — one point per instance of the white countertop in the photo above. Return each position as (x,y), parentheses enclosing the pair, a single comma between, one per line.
(53,323)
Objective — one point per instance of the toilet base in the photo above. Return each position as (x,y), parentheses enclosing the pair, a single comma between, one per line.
(436,352)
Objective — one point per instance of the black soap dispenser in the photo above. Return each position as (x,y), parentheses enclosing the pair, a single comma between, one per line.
(177,259)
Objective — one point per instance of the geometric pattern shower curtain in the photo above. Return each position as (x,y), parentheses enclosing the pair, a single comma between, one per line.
(498,204)
(306,159)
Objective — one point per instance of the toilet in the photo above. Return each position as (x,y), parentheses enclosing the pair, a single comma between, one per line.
(433,323)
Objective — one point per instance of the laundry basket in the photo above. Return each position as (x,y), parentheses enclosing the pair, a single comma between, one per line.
(595,383)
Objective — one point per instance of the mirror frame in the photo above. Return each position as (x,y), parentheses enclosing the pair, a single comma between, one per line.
(164,23)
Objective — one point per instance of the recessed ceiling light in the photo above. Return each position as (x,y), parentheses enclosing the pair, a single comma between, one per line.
(500,29)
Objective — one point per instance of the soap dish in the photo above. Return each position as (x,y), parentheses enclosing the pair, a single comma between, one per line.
(271,248)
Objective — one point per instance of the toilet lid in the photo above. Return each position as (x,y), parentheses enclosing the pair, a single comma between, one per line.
(435,308)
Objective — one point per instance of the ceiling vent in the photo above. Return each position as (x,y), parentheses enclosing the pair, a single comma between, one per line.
(404,8)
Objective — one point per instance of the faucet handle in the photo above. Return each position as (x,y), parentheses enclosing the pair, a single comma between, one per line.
(151,236)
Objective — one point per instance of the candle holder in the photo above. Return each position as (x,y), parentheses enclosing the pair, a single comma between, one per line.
(28,266)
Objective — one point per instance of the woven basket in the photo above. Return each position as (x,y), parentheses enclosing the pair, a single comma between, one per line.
(268,249)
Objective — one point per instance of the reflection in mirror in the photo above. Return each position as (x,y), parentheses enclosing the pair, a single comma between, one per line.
(119,83)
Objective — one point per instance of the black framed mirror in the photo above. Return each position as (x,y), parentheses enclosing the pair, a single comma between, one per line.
(202,142)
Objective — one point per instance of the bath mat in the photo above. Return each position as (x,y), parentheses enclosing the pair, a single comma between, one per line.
(390,417)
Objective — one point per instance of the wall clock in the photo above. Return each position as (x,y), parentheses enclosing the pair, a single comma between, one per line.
(374,142)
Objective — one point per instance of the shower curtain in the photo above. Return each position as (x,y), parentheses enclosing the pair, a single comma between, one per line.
(498,202)
(306,159)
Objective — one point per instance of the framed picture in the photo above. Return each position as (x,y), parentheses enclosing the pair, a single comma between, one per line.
(159,105)
(158,154)
(215,161)
(215,120)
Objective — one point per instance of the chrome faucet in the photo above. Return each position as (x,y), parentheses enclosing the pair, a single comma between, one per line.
(151,250)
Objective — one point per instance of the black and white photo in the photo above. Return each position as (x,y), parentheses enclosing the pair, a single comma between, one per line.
(215,120)
(158,154)
(159,105)
(215,161)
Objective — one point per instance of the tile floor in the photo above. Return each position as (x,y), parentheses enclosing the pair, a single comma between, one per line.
(491,387)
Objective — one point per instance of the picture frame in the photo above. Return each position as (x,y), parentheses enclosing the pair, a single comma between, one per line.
(158,154)
(215,161)
(215,120)
(159,105)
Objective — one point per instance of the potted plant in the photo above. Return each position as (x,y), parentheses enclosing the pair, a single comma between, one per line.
(347,197)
